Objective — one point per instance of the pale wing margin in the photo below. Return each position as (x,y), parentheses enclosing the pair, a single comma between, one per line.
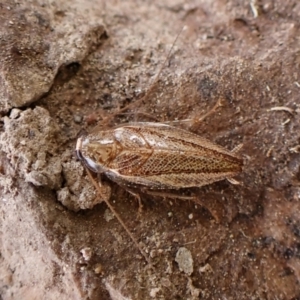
(175,181)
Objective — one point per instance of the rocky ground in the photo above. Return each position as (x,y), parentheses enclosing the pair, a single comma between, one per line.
(66,66)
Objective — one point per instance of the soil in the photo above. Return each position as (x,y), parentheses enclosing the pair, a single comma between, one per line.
(66,66)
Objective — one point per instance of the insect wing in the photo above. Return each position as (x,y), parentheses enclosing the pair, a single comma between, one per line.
(161,156)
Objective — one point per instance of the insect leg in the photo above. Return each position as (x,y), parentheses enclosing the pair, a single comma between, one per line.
(168,195)
(138,197)
(237,148)
(194,198)
(210,112)
(233,181)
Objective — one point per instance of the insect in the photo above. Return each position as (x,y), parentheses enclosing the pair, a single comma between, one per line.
(154,156)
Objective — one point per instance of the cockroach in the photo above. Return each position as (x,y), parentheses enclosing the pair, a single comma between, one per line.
(154,156)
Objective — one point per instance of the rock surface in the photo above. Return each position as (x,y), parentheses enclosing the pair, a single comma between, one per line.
(66,66)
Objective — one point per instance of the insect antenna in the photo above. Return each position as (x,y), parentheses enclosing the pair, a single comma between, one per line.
(118,217)
(109,119)
(152,85)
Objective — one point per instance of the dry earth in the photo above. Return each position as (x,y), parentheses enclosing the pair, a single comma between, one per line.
(66,65)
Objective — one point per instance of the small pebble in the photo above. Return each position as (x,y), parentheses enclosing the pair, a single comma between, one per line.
(86,253)
(15,113)
(98,269)
(77,118)
(185,260)
(108,215)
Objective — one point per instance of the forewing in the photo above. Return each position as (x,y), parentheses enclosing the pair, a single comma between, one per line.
(162,136)
(161,155)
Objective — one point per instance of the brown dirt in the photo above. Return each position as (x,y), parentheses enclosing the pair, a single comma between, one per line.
(66,66)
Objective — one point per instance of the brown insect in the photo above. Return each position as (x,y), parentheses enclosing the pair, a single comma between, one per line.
(154,156)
